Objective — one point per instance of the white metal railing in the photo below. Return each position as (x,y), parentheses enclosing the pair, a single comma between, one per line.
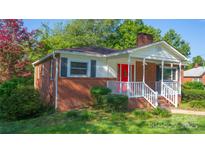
(172,84)
(150,95)
(170,94)
(134,90)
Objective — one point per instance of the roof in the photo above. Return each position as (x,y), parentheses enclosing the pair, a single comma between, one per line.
(92,50)
(195,72)
(106,52)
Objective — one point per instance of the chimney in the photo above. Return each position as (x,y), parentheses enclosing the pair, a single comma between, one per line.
(144,39)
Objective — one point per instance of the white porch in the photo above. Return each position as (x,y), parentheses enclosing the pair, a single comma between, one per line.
(169,88)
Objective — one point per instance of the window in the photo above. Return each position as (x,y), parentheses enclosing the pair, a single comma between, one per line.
(51,70)
(78,68)
(196,79)
(170,74)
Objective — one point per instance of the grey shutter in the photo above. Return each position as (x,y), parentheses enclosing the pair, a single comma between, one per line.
(64,62)
(93,68)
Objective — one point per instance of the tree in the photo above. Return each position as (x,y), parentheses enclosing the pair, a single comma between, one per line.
(126,33)
(15,42)
(176,41)
(197,60)
(77,33)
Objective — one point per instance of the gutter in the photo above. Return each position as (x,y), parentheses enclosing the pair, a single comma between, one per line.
(56,81)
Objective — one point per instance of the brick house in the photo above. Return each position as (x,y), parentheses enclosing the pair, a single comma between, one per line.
(145,73)
(194,74)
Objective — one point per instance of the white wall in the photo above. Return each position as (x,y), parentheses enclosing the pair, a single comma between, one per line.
(105,67)
(101,66)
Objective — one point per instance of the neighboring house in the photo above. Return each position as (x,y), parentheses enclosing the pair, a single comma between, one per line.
(66,76)
(195,74)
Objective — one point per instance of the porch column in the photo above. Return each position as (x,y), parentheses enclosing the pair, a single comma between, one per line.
(180,80)
(171,71)
(162,76)
(129,68)
(128,84)
(143,77)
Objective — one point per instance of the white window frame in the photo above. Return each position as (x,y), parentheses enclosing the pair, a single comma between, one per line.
(176,72)
(51,70)
(79,61)
(69,66)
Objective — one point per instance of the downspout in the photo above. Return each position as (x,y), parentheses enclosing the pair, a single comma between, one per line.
(56,82)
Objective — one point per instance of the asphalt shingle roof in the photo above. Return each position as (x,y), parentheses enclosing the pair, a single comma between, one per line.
(92,50)
(195,72)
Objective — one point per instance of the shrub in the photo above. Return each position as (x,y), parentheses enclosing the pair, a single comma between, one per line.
(197,104)
(19,100)
(23,103)
(193,85)
(7,87)
(189,95)
(142,114)
(98,92)
(116,103)
(161,112)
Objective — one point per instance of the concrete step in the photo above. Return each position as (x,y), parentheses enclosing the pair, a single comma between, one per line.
(164,103)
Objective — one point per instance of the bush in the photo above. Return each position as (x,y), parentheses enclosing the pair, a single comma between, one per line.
(161,112)
(193,85)
(23,103)
(19,100)
(98,92)
(189,95)
(197,104)
(114,103)
(7,87)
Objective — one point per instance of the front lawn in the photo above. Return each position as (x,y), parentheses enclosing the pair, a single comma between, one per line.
(98,121)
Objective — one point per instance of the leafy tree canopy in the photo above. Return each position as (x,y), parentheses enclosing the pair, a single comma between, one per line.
(176,41)
(117,34)
(15,43)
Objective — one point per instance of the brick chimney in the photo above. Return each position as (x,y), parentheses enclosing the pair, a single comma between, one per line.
(144,39)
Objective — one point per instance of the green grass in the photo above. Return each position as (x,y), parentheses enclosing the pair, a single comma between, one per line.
(189,106)
(98,121)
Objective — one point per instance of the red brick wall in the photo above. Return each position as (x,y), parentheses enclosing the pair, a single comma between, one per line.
(150,73)
(45,86)
(75,92)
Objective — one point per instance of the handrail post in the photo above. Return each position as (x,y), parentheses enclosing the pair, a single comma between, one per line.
(120,87)
(156,98)
(176,98)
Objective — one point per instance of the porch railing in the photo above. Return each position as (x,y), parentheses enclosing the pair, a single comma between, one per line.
(170,94)
(133,90)
(150,95)
(172,84)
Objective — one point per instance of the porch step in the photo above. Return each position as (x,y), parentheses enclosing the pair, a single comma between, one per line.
(164,103)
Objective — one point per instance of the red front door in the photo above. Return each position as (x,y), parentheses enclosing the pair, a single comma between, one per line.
(123,72)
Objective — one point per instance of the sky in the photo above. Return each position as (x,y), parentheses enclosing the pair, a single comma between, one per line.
(192,31)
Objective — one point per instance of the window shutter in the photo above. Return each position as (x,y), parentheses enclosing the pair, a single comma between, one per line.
(93,68)
(64,62)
